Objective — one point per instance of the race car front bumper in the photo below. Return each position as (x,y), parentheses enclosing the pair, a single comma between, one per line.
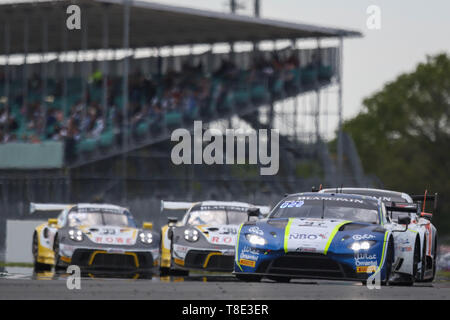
(205,259)
(109,258)
(101,259)
(306,265)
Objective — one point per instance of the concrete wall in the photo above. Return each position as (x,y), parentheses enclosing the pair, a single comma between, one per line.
(19,234)
(19,155)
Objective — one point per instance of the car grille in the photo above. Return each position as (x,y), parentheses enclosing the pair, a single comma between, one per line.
(106,260)
(307,265)
(196,259)
(111,261)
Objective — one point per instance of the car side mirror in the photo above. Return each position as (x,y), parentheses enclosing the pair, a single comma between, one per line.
(404,220)
(52,221)
(172,221)
(147,225)
(253,212)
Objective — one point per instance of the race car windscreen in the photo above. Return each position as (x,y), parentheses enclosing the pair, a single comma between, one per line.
(327,208)
(217,216)
(91,218)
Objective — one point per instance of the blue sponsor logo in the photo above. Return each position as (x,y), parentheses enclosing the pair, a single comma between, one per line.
(292,204)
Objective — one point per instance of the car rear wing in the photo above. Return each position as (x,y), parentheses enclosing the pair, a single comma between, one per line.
(35,207)
(175,205)
(403,207)
(182,205)
(422,200)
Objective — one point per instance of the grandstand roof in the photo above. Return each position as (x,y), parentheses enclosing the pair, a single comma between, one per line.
(151,25)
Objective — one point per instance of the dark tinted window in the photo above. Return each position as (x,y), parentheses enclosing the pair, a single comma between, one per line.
(328,208)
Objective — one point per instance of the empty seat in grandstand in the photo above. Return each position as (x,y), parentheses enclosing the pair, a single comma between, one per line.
(143,128)
(95,94)
(191,114)
(74,85)
(308,76)
(242,96)
(259,93)
(227,103)
(87,145)
(296,77)
(325,73)
(277,88)
(118,101)
(173,119)
(106,139)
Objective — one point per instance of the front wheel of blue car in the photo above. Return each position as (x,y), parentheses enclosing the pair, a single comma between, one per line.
(390,255)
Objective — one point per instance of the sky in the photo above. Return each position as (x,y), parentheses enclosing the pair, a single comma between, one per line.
(409,31)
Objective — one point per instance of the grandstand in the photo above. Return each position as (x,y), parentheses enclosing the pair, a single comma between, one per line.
(70,133)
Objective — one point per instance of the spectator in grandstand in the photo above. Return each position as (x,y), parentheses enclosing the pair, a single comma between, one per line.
(4,116)
(149,98)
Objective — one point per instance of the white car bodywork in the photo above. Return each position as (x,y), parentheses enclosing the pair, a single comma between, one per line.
(404,242)
(220,235)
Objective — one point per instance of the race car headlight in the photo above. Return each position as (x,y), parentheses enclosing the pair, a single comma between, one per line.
(255,239)
(75,235)
(361,245)
(146,237)
(191,235)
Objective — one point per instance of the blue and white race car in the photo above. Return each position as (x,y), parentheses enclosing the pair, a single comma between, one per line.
(320,235)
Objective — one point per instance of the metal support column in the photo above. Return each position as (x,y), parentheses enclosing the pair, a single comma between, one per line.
(233,6)
(105,65)
(7,74)
(44,76)
(340,109)
(257,8)
(3,215)
(84,76)
(25,63)
(296,98)
(64,66)
(317,89)
(126,31)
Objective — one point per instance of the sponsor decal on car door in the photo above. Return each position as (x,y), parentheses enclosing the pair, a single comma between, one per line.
(310,235)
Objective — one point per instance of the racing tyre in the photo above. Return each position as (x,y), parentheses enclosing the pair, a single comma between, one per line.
(420,276)
(180,273)
(249,277)
(434,262)
(163,271)
(390,255)
(35,251)
(410,279)
(57,256)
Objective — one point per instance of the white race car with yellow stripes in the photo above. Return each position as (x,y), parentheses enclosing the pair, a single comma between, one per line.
(205,237)
(93,237)
(406,250)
